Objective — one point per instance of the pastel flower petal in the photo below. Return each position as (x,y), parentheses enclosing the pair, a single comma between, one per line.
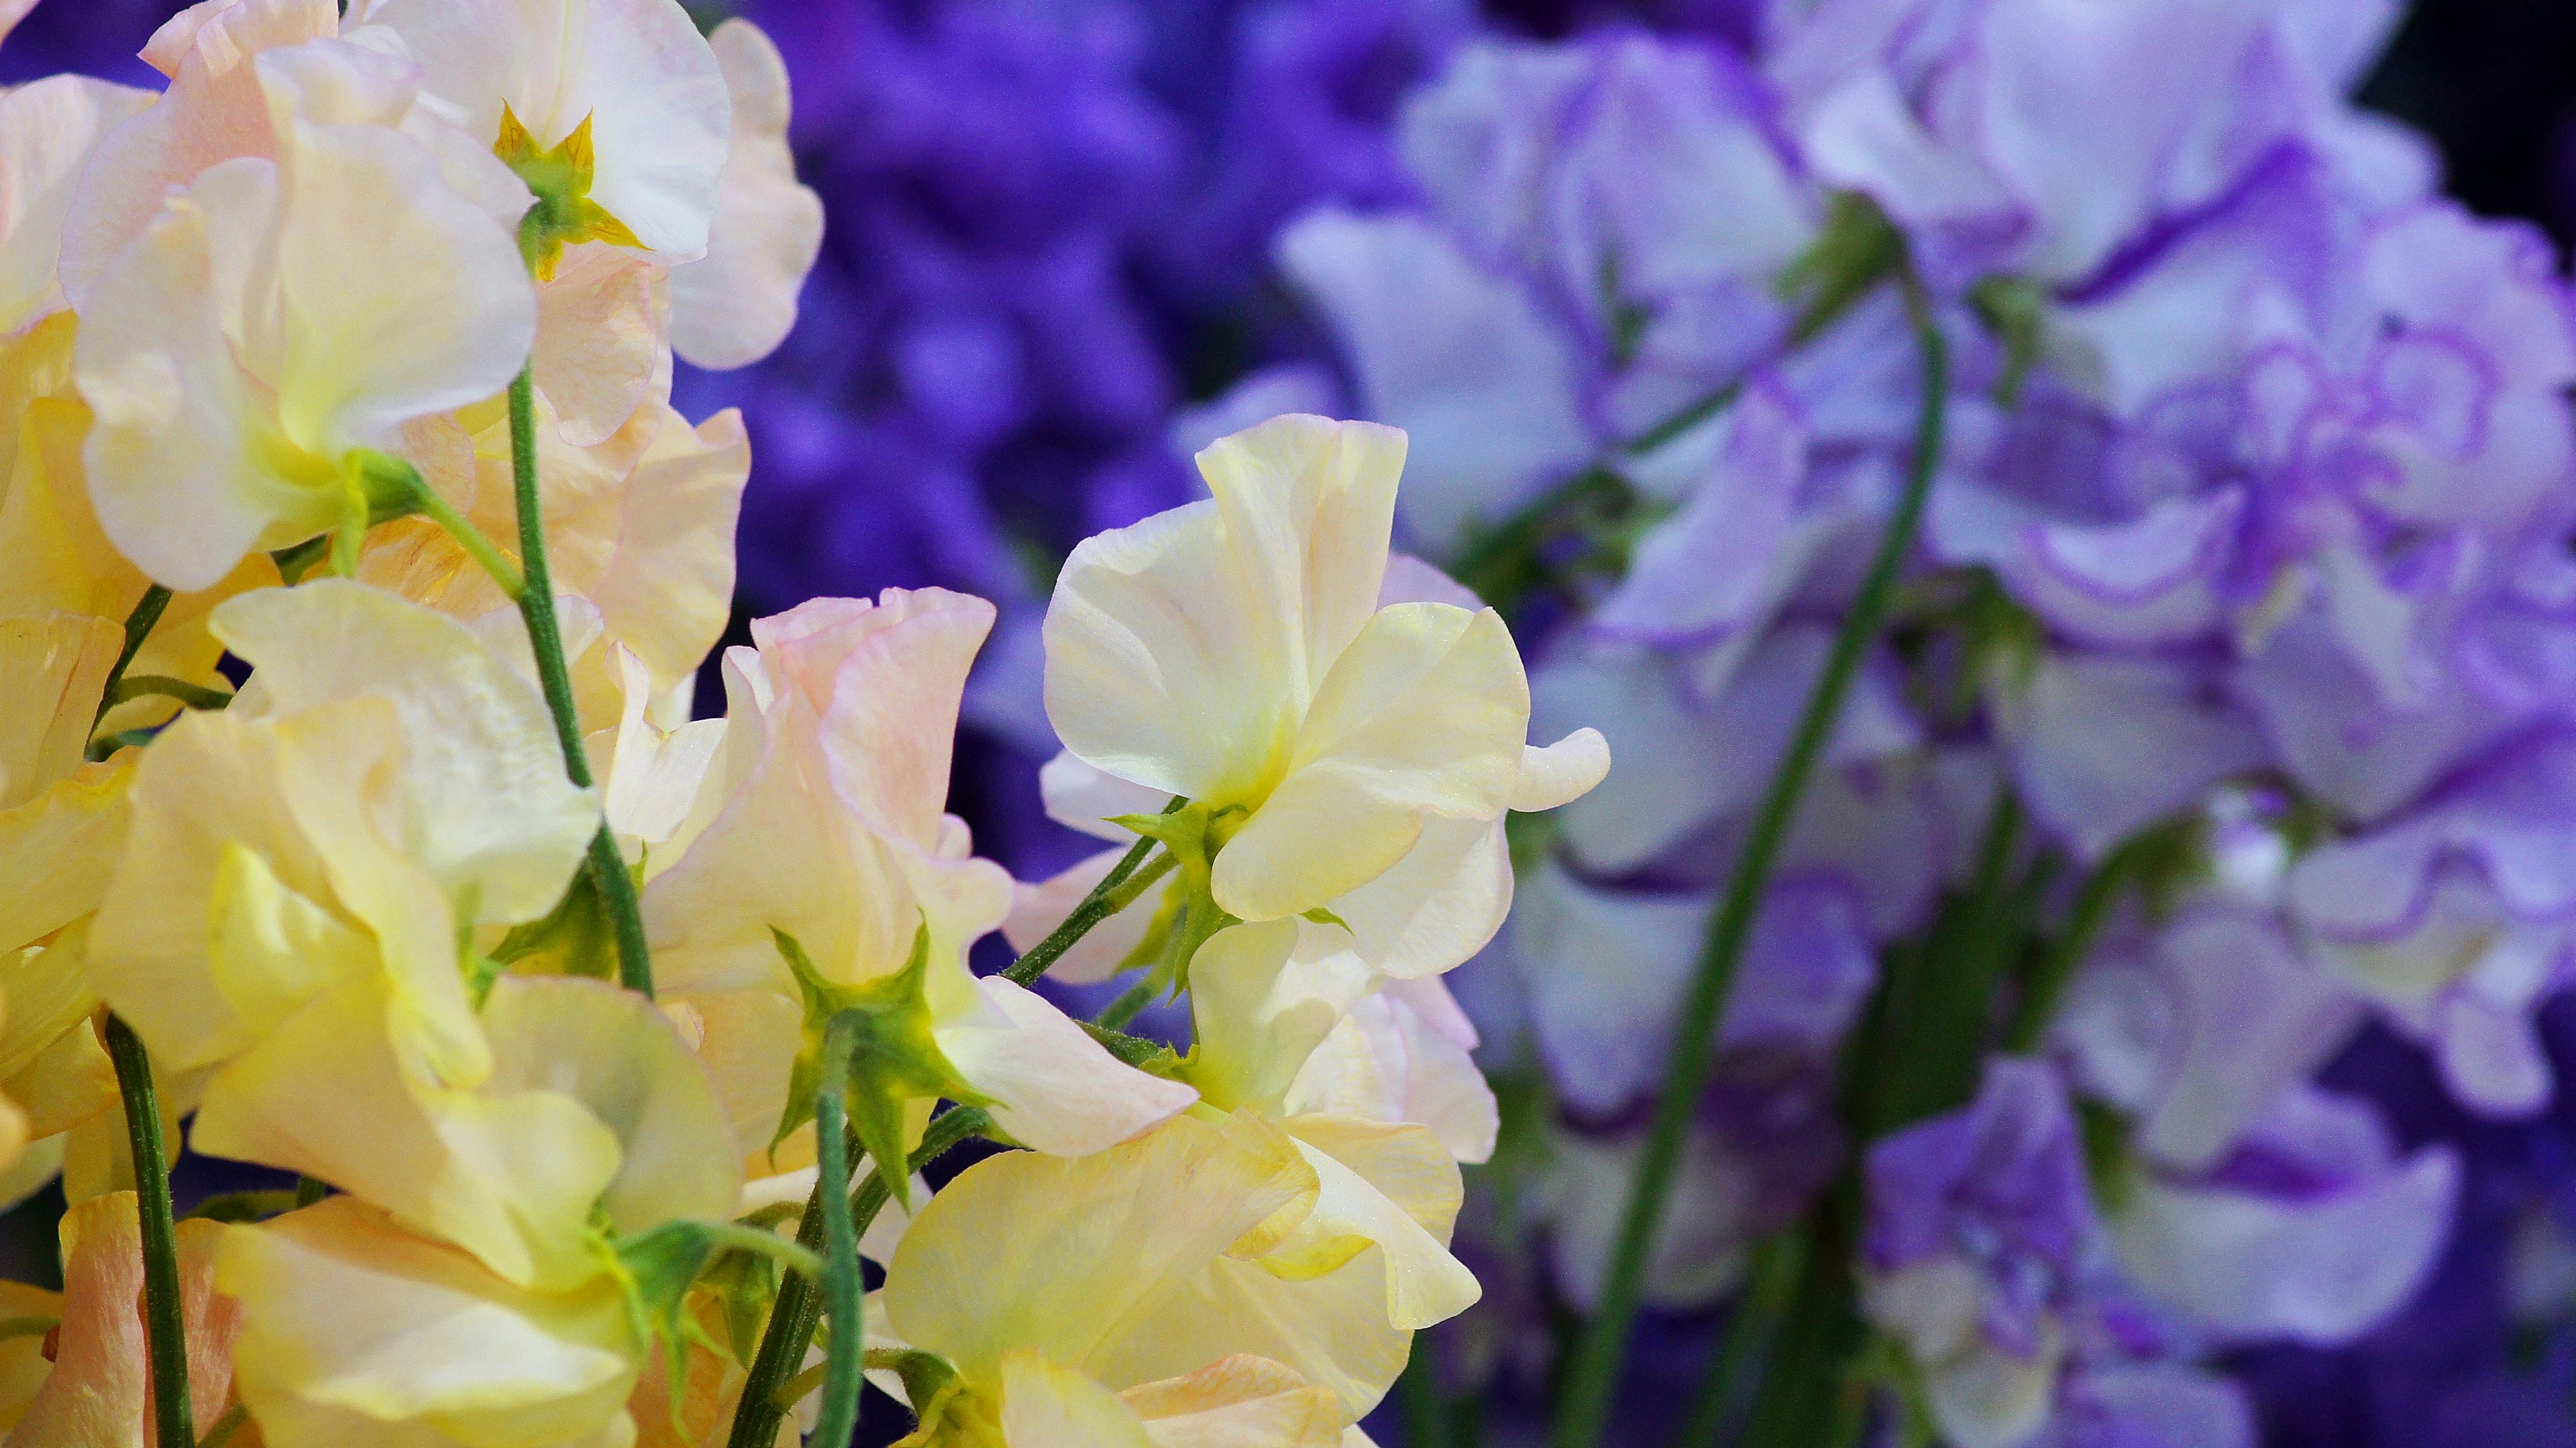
(733,306)
(1056,1089)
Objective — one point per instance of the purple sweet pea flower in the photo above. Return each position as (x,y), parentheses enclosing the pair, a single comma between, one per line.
(2457,918)
(2045,136)
(1979,1224)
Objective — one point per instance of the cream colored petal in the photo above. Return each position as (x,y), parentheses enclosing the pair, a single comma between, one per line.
(1036,910)
(1562,772)
(1061,1254)
(748,1041)
(434,312)
(652,777)
(622,1060)
(1394,1187)
(1164,666)
(209,784)
(1386,1063)
(1436,906)
(357,1334)
(59,850)
(1055,1089)
(69,1083)
(485,803)
(48,129)
(600,324)
(1330,1330)
(509,1173)
(1046,1406)
(1080,797)
(1422,715)
(176,464)
(56,664)
(667,589)
(886,678)
(1308,505)
(733,306)
(1263,997)
(1238,1402)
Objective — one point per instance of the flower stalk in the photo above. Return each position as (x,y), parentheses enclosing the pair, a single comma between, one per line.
(1592,1376)
(165,1322)
(545,641)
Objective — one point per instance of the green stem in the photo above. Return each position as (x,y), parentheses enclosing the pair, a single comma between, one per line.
(226,1426)
(165,1321)
(545,641)
(2093,902)
(513,584)
(843,1377)
(1426,1415)
(1777,1264)
(1131,1001)
(195,696)
(793,1317)
(138,627)
(1593,1374)
(1116,891)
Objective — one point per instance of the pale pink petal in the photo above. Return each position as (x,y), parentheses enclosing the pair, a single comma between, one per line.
(733,306)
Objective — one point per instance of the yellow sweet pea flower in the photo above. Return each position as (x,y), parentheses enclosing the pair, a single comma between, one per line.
(1138,1296)
(639,538)
(1349,736)
(383,781)
(596,1128)
(240,354)
(816,863)
(358,1334)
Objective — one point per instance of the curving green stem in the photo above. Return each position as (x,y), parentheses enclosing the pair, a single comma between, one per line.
(545,640)
(165,1321)
(793,1317)
(1592,1375)
(138,627)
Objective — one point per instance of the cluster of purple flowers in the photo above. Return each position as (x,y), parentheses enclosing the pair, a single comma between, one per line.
(2246,583)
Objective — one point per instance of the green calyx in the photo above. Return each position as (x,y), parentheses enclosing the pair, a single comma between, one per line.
(658,1268)
(876,1038)
(1189,913)
(1856,250)
(561,178)
(2015,309)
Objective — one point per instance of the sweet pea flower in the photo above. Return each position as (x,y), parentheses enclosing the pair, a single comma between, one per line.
(241,357)
(1345,755)
(639,540)
(817,826)
(90,1386)
(51,128)
(1082,1300)
(614,111)
(384,781)
(1979,1221)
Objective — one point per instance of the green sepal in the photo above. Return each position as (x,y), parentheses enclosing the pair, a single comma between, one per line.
(2015,309)
(1321,916)
(295,560)
(577,937)
(930,1383)
(1857,249)
(885,1026)
(560,179)
(1189,913)
(243,1207)
(658,1267)
(392,487)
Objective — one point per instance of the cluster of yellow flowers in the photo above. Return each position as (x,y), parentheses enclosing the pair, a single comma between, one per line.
(345,361)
